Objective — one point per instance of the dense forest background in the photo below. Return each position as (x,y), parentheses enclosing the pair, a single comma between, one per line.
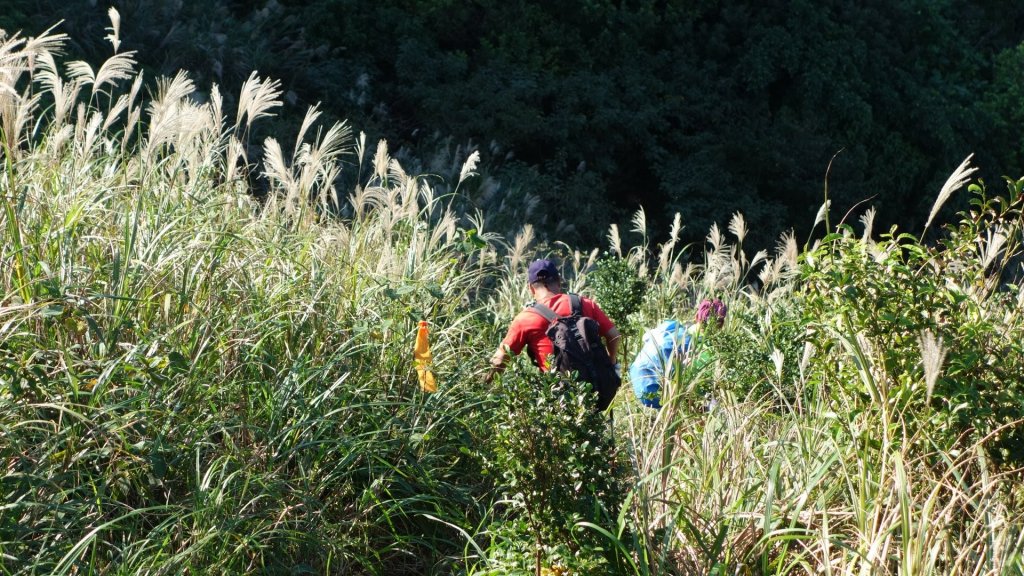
(585,110)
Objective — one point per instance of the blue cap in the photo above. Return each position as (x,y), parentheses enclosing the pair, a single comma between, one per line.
(542,269)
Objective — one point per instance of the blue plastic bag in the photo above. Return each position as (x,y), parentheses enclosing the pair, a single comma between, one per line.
(666,343)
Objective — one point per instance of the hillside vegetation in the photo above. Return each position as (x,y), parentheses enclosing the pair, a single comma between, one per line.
(194,381)
(602,106)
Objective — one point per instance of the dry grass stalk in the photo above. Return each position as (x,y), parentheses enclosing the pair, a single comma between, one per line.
(933,353)
(115,29)
(117,67)
(738,227)
(958,178)
(469,167)
(614,240)
(992,246)
(520,245)
(868,220)
(822,213)
(257,99)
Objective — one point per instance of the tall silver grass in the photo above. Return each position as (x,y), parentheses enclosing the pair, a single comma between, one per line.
(956,180)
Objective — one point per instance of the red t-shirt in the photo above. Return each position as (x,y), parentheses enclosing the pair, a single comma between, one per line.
(529,329)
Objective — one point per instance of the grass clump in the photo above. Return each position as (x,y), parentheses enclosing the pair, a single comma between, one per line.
(196,380)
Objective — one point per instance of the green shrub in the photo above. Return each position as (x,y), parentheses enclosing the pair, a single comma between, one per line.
(558,463)
(926,332)
(617,288)
(751,344)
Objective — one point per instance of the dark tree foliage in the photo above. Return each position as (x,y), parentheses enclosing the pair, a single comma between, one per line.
(601,106)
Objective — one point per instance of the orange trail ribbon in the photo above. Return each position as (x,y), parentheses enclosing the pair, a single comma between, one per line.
(421,354)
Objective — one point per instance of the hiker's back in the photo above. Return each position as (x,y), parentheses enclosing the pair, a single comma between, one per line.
(577,347)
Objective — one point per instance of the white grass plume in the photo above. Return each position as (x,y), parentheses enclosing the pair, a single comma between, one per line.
(412,192)
(787,250)
(677,228)
(933,353)
(361,149)
(57,138)
(257,99)
(89,134)
(715,238)
(216,107)
(173,90)
(17,56)
(469,167)
(521,243)
(868,220)
(770,272)
(319,166)
(117,67)
(15,114)
(779,360)
(134,112)
(640,222)
(682,278)
(665,254)
(234,154)
(822,212)
(399,179)
(637,260)
(166,114)
(381,161)
(115,29)
(805,359)
(312,114)
(64,94)
(992,246)
(664,257)
(760,256)
(119,106)
(738,227)
(614,240)
(957,179)
(275,168)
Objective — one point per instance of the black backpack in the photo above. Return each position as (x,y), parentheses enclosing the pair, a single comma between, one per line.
(578,348)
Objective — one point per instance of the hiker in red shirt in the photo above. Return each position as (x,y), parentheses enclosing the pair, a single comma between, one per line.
(529,329)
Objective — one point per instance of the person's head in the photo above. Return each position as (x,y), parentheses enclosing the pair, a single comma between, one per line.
(543,273)
(711,309)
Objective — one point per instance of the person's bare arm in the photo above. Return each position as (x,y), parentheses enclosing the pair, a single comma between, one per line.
(612,344)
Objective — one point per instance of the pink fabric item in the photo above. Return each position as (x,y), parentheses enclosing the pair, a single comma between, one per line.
(708,307)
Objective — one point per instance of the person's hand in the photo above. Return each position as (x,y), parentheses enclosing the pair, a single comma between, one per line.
(495,364)
(492,370)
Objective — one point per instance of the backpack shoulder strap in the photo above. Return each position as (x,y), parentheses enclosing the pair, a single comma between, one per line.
(544,311)
(577,305)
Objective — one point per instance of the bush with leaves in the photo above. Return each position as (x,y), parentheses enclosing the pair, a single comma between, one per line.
(559,465)
(927,333)
(759,352)
(617,287)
